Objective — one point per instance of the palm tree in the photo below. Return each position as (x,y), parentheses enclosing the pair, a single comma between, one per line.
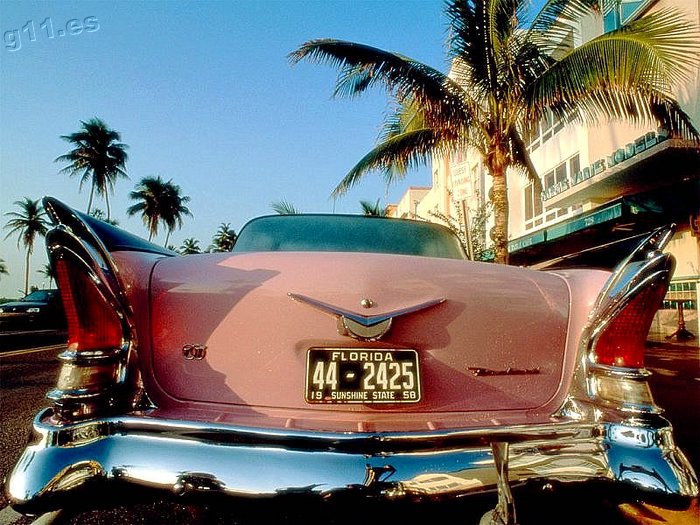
(47,271)
(190,246)
(27,223)
(149,192)
(224,238)
(3,267)
(159,201)
(100,215)
(373,209)
(506,75)
(284,208)
(98,156)
(173,208)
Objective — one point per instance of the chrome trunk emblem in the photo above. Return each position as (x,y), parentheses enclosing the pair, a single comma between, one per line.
(362,327)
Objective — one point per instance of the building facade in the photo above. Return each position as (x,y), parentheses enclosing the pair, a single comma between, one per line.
(603,187)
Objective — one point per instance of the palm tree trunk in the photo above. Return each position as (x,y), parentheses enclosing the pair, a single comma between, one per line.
(26,272)
(167,238)
(92,192)
(497,168)
(107,202)
(152,225)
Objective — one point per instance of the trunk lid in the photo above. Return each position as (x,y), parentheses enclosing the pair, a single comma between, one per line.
(496,342)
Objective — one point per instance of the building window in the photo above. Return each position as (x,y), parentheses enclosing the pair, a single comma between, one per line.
(574,165)
(617,13)
(554,182)
(560,178)
(533,207)
(684,292)
(549,126)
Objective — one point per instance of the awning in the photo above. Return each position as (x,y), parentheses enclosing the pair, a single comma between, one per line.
(599,237)
(588,220)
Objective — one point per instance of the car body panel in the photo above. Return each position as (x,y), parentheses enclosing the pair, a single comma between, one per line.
(203,393)
(191,288)
(257,338)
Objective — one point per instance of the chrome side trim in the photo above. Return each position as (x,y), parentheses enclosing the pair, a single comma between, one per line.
(203,459)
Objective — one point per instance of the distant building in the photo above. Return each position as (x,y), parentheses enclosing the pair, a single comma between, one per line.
(602,186)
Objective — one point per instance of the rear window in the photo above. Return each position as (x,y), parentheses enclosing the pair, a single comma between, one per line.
(347,233)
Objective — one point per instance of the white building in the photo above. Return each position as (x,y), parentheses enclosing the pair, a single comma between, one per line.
(603,187)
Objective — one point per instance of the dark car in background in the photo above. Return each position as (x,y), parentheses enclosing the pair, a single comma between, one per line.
(40,310)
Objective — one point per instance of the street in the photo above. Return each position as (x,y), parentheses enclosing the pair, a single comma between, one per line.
(25,376)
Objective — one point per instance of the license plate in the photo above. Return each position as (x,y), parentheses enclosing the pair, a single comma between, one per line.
(336,375)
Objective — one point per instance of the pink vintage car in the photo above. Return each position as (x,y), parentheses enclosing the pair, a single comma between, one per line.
(332,354)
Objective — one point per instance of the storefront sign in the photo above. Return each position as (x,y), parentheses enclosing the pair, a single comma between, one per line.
(632,149)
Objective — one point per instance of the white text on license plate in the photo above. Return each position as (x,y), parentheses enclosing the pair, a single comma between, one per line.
(362,376)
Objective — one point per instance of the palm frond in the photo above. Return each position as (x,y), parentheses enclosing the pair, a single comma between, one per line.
(401,117)
(556,21)
(373,209)
(362,66)
(623,75)
(521,160)
(394,157)
(284,207)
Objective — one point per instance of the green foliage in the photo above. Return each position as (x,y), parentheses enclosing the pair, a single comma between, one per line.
(506,74)
(98,157)
(373,209)
(224,238)
(101,215)
(284,208)
(159,202)
(27,223)
(474,242)
(190,246)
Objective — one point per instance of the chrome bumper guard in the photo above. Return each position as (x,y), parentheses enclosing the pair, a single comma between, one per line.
(196,459)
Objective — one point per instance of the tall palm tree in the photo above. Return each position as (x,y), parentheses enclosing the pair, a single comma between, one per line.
(173,208)
(149,192)
(506,74)
(98,157)
(27,223)
(3,267)
(224,238)
(190,246)
(373,209)
(159,202)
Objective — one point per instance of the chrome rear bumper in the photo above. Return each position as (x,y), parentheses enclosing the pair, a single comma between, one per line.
(182,458)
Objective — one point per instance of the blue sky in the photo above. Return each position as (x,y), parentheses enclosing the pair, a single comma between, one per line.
(203,93)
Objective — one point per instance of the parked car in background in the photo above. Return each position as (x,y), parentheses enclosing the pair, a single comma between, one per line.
(39,310)
(332,355)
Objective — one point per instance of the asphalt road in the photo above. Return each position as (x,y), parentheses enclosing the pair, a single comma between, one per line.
(26,376)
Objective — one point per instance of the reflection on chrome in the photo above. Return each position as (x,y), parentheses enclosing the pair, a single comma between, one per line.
(193,458)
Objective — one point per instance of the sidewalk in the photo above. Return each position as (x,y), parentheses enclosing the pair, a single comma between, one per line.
(658,340)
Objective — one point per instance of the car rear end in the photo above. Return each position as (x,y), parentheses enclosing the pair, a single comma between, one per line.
(390,376)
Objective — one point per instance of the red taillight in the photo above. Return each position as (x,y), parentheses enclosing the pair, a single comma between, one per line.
(622,342)
(92,322)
